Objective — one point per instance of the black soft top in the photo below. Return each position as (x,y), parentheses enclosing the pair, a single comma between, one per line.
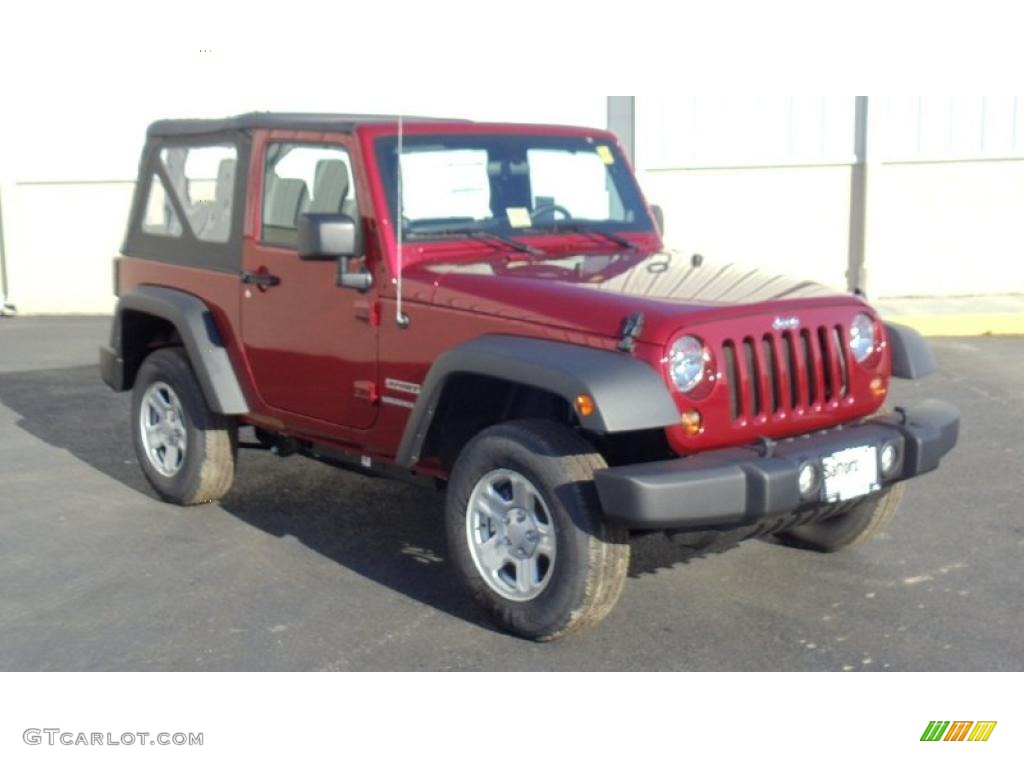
(310,121)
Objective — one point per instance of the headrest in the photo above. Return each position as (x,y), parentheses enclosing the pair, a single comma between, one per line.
(225,180)
(287,198)
(330,186)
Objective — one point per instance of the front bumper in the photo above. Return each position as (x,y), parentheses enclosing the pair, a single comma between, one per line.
(734,487)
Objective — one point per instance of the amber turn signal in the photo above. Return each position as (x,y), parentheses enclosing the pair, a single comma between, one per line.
(585,405)
(691,422)
(877,386)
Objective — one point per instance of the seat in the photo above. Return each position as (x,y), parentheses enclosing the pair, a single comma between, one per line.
(331,189)
(286,199)
(330,186)
(217,227)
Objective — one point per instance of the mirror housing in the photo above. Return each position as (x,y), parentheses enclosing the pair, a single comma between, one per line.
(326,236)
(659,218)
(333,237)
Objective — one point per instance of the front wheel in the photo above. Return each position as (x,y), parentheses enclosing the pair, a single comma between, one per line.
(526,532)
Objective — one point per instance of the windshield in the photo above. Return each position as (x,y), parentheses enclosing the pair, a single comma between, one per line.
(510,184)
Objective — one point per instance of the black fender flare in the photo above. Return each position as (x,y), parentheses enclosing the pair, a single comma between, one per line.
(629,393)
(194,322)
(911,356)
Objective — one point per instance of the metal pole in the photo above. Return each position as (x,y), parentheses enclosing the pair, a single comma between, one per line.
(863,175)
(622,122)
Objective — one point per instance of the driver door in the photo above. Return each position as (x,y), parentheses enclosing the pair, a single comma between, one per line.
(309,342)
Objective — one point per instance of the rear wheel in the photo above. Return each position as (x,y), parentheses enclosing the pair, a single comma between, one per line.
(526,532)
(186,451)
(851,524)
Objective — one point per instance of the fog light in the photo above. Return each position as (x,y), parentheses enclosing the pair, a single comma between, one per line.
(808,480)
(877,387)
(691,422)
(585,405)
(887,458)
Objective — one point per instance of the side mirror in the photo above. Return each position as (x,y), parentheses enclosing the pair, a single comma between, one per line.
(659,218)
(326,236)
(330,237)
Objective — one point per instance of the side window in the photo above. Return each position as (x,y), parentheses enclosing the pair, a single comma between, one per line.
(203,180)
(159,217)
(304,178)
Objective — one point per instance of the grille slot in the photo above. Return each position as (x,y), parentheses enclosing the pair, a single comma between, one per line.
(826,369)
(753,374)
(841,350)
(813,375)
(733,373)
(780,373)
(794,378)
(771,371)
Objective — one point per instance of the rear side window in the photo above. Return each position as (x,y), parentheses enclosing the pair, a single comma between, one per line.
(203,181)
(304,178)
(159,217)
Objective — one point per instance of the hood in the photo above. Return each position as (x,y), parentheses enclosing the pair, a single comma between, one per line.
(594,292)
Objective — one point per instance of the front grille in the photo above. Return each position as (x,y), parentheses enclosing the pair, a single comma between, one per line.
(784,372)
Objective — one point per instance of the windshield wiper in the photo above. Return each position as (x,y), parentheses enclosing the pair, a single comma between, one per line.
(478,234)
(582,230)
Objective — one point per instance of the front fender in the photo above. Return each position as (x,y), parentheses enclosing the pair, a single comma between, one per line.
(911,356)
(629,394)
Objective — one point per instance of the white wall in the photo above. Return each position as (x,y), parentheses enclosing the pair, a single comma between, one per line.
(946,229)
(792,220)
(62,237)
(767,180)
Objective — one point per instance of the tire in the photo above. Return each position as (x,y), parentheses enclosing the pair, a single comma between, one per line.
(205,470)
(576,562)
(862,519)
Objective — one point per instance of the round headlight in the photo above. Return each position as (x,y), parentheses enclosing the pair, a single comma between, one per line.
(862,337)
(686,363)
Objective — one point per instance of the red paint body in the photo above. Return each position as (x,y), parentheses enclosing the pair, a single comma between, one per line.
(313,358)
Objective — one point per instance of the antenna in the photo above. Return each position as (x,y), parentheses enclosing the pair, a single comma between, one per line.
(401,319)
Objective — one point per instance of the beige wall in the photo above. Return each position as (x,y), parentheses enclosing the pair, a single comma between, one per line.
(793,220)
(935,229)
(948,229)
(61,239)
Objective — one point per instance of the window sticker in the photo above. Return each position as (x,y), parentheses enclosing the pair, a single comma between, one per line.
(518,217)
(605,153)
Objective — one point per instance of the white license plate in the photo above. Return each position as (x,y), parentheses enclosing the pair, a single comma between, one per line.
(851,473)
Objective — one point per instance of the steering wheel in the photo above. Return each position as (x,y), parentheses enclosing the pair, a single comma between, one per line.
(539,211)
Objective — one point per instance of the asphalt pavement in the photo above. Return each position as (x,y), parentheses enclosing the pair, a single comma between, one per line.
(306,567)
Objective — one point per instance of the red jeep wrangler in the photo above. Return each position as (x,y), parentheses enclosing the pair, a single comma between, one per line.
(490,308)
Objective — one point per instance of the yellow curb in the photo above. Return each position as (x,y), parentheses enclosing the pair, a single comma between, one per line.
(981,324)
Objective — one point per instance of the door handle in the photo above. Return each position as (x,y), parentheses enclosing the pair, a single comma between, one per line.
(262,279)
